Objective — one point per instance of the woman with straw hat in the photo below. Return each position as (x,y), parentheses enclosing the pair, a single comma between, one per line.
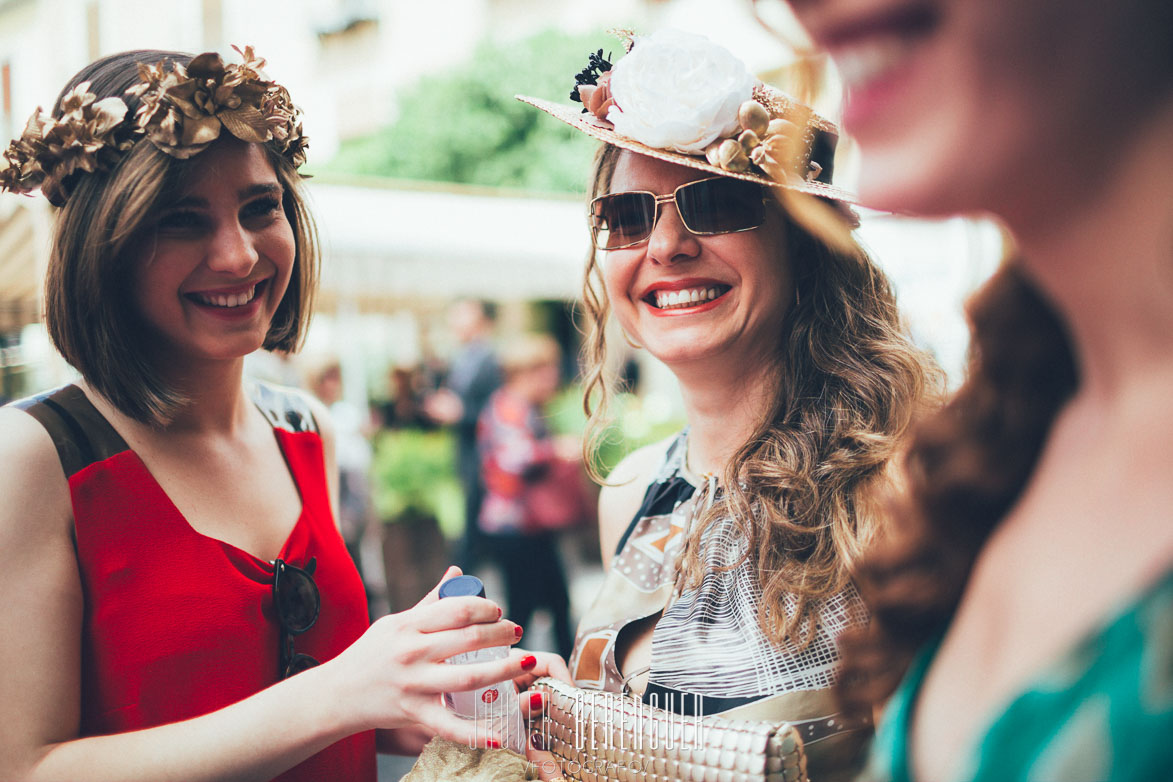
(722,248)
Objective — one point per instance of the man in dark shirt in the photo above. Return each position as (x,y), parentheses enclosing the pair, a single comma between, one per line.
(472,378)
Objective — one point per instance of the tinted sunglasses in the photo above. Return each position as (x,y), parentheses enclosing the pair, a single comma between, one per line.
(719,205)
(297,600)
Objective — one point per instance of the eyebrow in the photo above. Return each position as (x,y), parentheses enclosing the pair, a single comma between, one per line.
(243,194)
(259,189)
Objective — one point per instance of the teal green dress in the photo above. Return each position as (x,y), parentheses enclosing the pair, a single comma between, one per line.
(1103,713)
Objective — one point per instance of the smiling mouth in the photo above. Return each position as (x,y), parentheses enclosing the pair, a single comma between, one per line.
(228,300)
(877,46)
(687,297)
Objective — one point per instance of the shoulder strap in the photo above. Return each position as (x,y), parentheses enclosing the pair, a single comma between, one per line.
(667,490)
(285,408)
(81,435)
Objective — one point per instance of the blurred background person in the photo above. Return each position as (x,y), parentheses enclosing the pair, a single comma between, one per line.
(415,482)
(473,375)
(403,408)
(1029,602)
(353,428)
(517,455)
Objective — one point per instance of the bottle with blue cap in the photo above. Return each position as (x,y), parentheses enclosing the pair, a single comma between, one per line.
(495,708)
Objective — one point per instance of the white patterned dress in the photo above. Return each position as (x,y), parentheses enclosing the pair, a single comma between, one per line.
(709,653)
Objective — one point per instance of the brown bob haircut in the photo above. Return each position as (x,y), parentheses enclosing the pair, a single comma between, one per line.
(88,287)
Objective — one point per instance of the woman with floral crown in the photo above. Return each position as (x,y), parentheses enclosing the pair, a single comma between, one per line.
(721,247)
(179,602)
(1025,615)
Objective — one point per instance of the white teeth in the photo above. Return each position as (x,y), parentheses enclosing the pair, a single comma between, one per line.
(226,300)
(686,298)
(867,61)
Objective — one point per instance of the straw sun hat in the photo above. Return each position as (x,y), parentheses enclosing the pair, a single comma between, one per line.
(681,98)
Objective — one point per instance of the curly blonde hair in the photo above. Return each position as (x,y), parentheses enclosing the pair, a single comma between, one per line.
(803,489)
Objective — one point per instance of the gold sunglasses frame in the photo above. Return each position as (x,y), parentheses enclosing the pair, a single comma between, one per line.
(662,199)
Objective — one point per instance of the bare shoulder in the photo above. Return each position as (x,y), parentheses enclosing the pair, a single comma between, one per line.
(39,665)
(624,491)
(32,482)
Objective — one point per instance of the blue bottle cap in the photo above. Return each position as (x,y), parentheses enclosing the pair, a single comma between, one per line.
(462,586)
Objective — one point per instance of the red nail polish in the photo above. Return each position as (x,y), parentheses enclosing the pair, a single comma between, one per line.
(517,631)
(498,612)
(535,700)
(528,662)
(492,744)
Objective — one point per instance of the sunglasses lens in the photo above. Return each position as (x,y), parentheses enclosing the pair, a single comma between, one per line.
(298,601)
(299,663)
(622,219)
(721,205)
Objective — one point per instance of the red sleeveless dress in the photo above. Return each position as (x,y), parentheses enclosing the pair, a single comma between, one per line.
(178,624)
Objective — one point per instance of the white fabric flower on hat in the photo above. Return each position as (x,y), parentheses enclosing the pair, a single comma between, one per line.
(678,91)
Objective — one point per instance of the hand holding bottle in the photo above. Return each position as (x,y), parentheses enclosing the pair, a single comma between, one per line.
(395,674)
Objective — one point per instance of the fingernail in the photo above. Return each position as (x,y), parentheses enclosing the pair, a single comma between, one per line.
(535,700)
(528,662)
(537,742)
(517,631)
(492,744)
(498,612)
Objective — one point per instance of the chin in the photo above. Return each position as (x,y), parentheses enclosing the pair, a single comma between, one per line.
(681,354)
(905,181)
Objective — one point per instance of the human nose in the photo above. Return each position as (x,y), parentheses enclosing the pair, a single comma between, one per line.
(233,250)
(671,241)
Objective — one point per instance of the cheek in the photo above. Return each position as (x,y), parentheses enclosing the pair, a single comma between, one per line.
(281,246)
(156,277)
(155,296)
(764,265)
(618,278)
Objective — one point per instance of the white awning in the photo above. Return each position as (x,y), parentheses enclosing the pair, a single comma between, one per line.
(400,245)
(20,266)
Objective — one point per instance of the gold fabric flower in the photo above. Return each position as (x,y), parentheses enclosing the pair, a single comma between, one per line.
(90,135)
(181,111)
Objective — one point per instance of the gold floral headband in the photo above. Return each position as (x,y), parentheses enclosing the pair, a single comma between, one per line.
(181,111)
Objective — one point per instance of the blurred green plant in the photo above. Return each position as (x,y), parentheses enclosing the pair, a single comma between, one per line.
(631,426)
(465,126)
(413,474)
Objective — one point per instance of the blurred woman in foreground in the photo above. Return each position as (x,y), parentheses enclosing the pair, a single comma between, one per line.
(1029,603)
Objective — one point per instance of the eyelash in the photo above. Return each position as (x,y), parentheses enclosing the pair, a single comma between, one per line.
(262,206)
(193,220)
(182,220)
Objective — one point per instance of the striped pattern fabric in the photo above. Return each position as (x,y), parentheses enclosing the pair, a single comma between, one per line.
(708,640)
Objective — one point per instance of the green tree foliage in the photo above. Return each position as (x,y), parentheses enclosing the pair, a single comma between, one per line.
(465,126)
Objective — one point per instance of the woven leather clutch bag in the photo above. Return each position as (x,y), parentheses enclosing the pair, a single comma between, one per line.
(607,737)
